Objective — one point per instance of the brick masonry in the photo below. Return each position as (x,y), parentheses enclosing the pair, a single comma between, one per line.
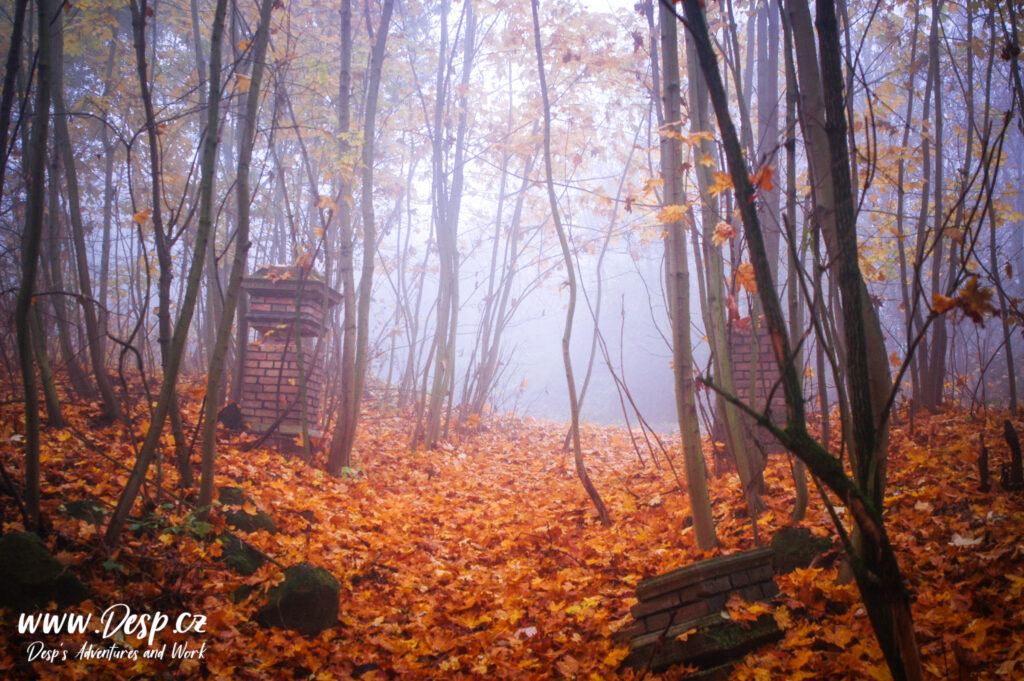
(753,382)
(691,599)
(278,298)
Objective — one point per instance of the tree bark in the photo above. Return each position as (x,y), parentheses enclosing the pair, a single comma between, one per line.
(875,566)
(369,226)
(176,347)
(677,287)
(339,456)
(62,138)
(239,261)
(138,10)
(574,407)
(30,245)
(11,68)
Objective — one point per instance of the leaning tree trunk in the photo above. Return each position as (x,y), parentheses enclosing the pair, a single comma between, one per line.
(875,566)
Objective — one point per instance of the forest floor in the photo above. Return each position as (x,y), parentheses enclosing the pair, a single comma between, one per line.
(485,559)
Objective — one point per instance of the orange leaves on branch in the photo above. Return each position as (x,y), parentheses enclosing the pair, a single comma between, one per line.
(723,233)
(328,203)
(142,217)
(722,182)
(941,303)
(732,307)
(745,277)
(762,179)
(974,300)
(672,213)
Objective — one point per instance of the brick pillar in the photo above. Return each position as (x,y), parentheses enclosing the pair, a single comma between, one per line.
(752,383)
(284,305)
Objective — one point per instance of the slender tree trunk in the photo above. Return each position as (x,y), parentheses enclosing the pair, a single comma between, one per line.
(53,414)
(52,272)
(30,245)
(369,225)
(901,170)
(11,69)
(176,347)
(62,138)
(340,454)
(677,287)
(574,407)
(238,264)
(108,187)
(139,12)
(794,253)
(934,380)
(714,315)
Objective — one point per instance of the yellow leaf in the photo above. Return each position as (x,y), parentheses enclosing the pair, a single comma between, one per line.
(671,213)
(652,183)
(840,637)
(142,216)
(723,232)
(242,82)
(616,656)
(721,183)
(782,618)
(745,277)
(243,45)
(686,634)
(327,202)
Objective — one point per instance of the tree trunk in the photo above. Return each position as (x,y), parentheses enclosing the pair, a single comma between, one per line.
(215,371)
(369,225)
(340,454)
(176,347)
(30,244)
(875,567)
(677,287)
(94,333)
(715,315)
(163,247)
(10,78)
(574,407)
(52,272)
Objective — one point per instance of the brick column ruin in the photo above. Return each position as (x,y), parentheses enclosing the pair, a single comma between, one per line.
(281,302)
(754,374)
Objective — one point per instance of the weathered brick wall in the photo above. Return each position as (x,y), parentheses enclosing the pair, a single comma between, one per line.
(271,384)
(752,383)
(281,302)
